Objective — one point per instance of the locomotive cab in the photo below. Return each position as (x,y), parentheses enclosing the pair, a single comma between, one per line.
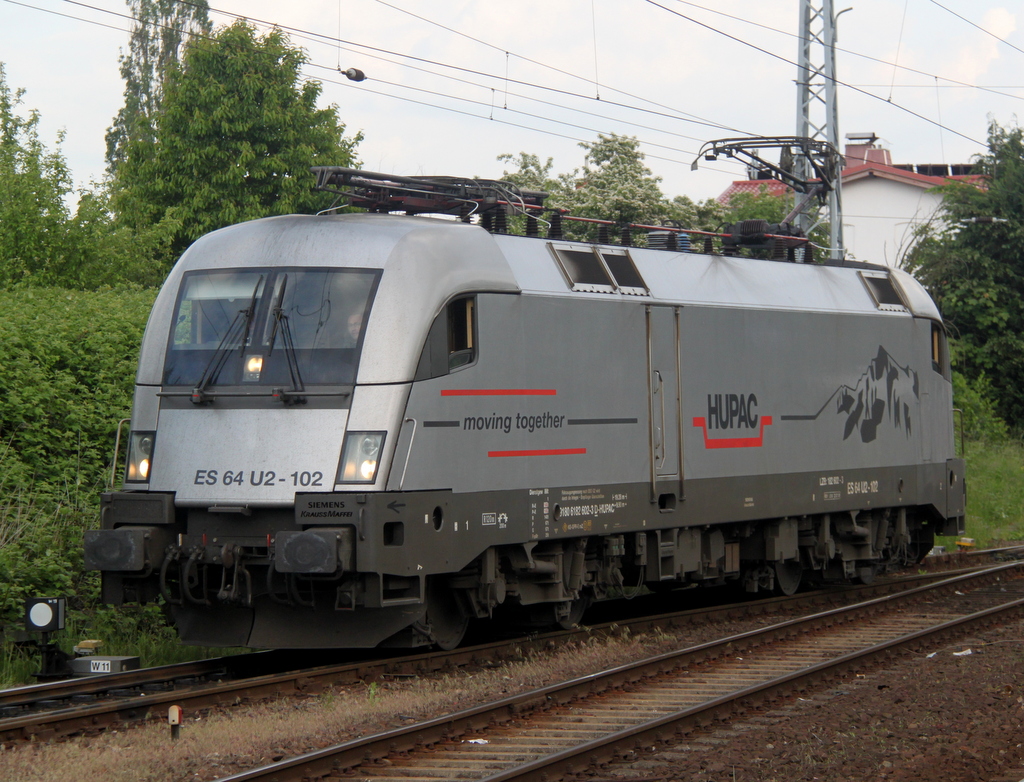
(264,377)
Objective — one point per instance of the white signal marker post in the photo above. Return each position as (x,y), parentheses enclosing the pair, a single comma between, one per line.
(174,720)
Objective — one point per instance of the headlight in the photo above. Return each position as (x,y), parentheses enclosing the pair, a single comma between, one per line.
(253,367)
(140,456)
(360,457)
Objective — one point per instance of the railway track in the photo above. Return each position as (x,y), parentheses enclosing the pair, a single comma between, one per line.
(576,726)
(57,709)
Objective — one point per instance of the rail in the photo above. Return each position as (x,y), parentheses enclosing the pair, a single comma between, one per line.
(54,709)
(467,731)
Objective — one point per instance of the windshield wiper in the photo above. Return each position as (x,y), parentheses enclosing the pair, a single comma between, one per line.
(291,396)
(240,325)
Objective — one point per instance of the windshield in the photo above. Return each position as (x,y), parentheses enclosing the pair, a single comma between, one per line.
(260,326)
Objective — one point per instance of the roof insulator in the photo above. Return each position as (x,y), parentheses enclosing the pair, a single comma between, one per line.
(555,231)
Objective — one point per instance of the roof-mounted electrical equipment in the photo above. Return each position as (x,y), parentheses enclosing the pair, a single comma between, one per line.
(825,165)
(780,239)
(456,196)
(825,160)
(500,207)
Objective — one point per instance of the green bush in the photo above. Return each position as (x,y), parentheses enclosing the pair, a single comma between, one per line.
(38,559)
(974,400)
(69,360)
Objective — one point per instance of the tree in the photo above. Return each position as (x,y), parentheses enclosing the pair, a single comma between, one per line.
(161,26)
(34,183)
(972,262)
(761,205)
(614,184)
(531,174)
(706,215)
(233,140)
(41,241)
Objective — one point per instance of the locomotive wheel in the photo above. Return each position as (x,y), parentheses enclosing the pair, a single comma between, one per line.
(445,618)
(577,608)
(866,573)
(788,576)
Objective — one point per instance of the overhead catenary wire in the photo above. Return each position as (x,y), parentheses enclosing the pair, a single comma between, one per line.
(497,48)
(672,114)
(323,37)
(317,65)
(791,62)
(75,18)
(975,25)
(554,69)
(899,45)
(994,89)
(514,124)
(518,95)
(454,97)
(585,97)
(542,117)
(390,95)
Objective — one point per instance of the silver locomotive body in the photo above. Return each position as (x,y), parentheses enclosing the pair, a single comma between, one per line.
(357,430)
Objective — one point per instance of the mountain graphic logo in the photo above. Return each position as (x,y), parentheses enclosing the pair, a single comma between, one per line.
(883,395)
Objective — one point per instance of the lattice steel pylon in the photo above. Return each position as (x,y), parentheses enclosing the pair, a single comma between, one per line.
(817,114)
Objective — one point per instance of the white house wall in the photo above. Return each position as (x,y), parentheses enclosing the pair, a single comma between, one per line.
(880,215)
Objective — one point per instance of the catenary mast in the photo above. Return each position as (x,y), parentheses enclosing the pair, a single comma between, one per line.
(817,114)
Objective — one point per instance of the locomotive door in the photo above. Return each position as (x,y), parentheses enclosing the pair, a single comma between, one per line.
(665,409)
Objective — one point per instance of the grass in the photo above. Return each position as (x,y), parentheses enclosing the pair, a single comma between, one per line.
(995,494)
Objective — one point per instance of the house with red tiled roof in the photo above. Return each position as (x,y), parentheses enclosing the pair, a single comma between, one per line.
(883,204)
(754,187)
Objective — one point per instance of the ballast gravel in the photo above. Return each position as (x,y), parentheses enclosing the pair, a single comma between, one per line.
(954,714)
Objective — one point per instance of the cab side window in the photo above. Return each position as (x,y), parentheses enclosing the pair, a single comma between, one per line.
(940,351)
(451,341)
(460,333)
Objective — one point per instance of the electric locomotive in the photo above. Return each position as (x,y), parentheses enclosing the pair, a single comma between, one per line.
(365,429)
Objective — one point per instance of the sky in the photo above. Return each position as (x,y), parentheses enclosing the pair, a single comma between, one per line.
(452,85)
